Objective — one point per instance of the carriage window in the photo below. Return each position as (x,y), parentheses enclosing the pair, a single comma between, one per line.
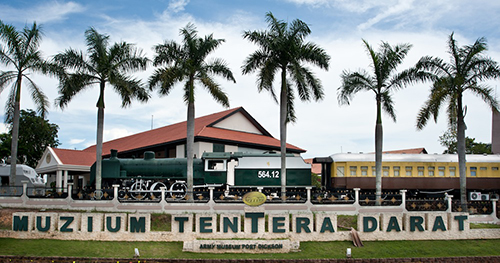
(215,165)
(353,170)
(385,171)
(364,170)
(374,171)
(473,171)
(420,170)
(452,170)
(483,168)
(340,171)
(441,170)
(409,170)
(431,170)
(396,170)
(494,168)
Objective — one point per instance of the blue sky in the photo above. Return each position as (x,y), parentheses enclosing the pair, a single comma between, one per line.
(323,128)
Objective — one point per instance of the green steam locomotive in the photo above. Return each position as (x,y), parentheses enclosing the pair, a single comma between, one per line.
(148,175)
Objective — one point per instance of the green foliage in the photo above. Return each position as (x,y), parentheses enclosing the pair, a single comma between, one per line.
(35,135)
(449,140)
(316,180)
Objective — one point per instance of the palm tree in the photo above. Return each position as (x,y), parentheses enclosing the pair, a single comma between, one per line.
(467,68)
(383,82)
(187,63)
(20,50)
(105,64)
(282,48)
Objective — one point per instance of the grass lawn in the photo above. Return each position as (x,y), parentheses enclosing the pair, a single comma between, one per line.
(311,250)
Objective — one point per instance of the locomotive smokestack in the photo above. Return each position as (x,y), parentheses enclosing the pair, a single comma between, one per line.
(114,153)
(149,155)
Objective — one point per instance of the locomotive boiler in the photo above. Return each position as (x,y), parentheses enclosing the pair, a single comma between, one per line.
(146,176)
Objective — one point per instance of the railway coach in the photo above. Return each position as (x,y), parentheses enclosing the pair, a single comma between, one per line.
(420,174)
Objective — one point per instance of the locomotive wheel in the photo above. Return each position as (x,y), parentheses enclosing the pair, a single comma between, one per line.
(155,190)
(138,191)
(178,190)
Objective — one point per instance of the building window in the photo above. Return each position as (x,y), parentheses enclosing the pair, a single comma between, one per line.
(385,171)
(353,170)
(431,170)
(396,170)
(494,168)
(453,170)
(441,170)
(409,170)
(364,170)
(473,171)
(421,170)
(374,171)
(483,168)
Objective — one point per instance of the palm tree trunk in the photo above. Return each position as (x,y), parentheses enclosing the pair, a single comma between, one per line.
(190,146)
(378,154)
(461,154)
(99,140)
(283,115)
(15,132)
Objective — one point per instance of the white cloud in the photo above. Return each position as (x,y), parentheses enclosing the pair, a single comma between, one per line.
(114,133)
(50,11)
(76,141)
(177,5)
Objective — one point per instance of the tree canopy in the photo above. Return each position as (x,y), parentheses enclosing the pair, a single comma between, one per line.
(35,135)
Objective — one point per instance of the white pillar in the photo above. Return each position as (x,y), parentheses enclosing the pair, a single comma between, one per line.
(65,181)
(70,190)
(115,191)
(356,195)
(403,198)
(450,208)
(308,188)
(58,180)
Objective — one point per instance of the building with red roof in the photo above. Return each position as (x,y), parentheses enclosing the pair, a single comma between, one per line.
(233,130)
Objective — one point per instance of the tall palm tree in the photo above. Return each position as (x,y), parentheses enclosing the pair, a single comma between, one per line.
(382,82)
(20,50)
(468,67)
(187,62)
(282,48)
(104,64)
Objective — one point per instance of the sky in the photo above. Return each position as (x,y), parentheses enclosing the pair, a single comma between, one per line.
(338,26)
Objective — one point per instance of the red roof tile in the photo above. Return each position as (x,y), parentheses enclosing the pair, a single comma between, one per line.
(408,151)
(75,157)
(315,167)
(203,129)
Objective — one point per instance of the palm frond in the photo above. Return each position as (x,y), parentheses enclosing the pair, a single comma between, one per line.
(388,105)
(39,98)
(352,83)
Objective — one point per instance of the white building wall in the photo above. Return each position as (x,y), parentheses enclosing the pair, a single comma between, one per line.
(237,122)
(179,151)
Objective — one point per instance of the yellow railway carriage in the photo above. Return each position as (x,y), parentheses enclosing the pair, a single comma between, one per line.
(418,172)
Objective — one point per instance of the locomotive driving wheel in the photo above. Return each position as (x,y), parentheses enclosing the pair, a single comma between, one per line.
(178,190)
(155,190)
(138,191)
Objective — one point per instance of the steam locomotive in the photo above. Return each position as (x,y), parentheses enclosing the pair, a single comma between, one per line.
(146,176)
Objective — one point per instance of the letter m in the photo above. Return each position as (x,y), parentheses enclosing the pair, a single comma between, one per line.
(137,224)
(20,223)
